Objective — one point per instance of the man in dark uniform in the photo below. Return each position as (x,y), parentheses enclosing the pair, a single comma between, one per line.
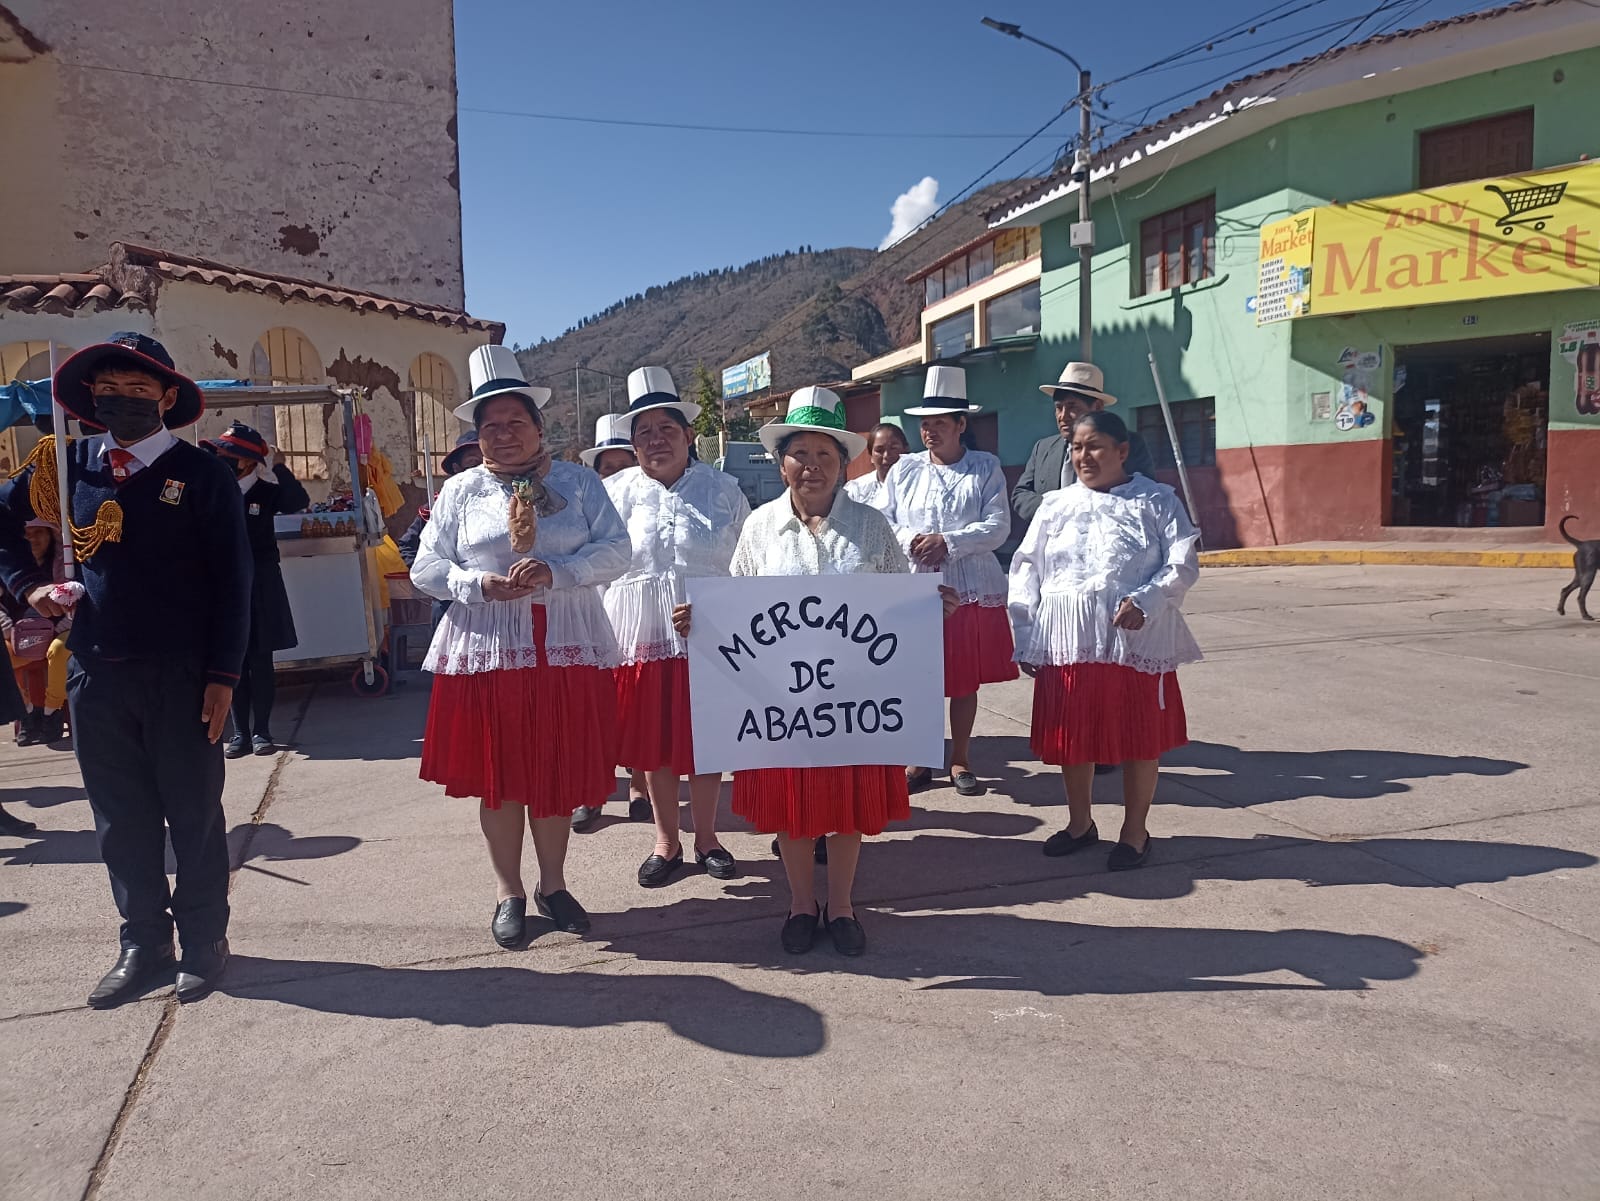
(266,494)
(157,641)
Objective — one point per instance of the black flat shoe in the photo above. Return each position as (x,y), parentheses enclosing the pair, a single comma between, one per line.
(1124,858)
(1104,769)
(776,850)
(658,870)
(640,809)
(236,747)
(967,784)
(563,909)
(53,728)
(137,970)
(800,932)
(917,780)
(584,817)
(200,971)
(848,936)
(510,922)
(820,852)
(1063,843)
(262,744)
(15,826)
(30,730)
(719,864)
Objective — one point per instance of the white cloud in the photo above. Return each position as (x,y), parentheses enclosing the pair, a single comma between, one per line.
(910,209)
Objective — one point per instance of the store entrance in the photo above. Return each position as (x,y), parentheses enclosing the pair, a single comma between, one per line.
(1469,432)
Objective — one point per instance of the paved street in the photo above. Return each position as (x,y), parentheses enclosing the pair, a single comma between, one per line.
(1363,962)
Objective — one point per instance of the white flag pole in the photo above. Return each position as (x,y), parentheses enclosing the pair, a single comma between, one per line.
(58,421)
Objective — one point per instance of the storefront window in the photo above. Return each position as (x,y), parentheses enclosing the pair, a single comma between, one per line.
(952,335)
(1196,422)
(1014,313)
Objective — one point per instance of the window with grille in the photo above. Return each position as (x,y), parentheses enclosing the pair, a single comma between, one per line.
(285,356)
(434,424)
(1196,422)
(1500,145)
(1178,246)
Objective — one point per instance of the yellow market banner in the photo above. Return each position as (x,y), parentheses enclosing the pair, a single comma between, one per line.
(1283,282)
(1538,232)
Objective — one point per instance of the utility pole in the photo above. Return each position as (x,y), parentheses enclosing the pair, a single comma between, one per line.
(1082,233)
(577,386)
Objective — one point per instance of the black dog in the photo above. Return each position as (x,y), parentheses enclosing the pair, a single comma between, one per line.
(1585,563)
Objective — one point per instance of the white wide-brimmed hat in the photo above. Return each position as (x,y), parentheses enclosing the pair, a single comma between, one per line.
(652,388)
(494,371)
(813,410)
(1083,378)
(612,432)
(944,394)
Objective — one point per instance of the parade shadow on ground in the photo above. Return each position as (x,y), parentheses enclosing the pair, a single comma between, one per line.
(266,843)
(9,908)
(43,796)
(1239,777)
(703,1009)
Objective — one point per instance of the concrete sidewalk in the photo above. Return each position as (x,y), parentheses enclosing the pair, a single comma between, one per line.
(1394,554)
(1362,964)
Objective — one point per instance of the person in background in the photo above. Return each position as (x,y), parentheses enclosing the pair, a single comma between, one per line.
(465,454)
(613,447)
(948,507)
(157,643)
(522,715)
(683,519)
(12,826)
(46,659)
(1096,598)
(267,493)
(885,445)
(1081,389)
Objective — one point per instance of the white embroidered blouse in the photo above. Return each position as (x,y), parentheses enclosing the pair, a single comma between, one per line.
(868,490)
(1084,553)
(467,537)
(683,532)
(854,539)
(968,504)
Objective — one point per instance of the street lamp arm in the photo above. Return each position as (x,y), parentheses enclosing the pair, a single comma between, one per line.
(1015,31)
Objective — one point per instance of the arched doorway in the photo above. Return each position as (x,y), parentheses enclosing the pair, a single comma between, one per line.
(285,356)
(433,423)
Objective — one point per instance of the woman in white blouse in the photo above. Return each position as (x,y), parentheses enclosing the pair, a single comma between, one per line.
(521,715)
(885,444)
(950,510)
(683,520)
(1097,589)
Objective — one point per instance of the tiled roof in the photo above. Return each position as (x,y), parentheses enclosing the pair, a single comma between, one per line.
(60,294)
(1200,109)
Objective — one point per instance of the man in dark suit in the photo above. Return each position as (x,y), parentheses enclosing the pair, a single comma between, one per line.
(157,640)
(1081,389)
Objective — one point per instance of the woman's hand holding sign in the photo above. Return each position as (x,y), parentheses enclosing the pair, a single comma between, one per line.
(680,620)
(949,599)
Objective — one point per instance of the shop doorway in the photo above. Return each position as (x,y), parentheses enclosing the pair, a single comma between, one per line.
(1468,441)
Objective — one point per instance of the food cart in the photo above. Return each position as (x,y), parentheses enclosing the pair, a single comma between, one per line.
(333,585)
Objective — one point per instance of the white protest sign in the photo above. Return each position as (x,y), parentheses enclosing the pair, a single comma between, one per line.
(816,671)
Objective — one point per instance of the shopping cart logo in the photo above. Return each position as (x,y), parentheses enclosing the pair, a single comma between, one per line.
(1523,204)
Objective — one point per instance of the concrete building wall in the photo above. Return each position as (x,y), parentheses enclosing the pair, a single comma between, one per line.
(310,139)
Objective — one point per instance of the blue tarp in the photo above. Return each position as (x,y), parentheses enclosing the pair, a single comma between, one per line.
(22,401)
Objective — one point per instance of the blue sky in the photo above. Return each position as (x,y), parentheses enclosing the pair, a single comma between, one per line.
(563,218)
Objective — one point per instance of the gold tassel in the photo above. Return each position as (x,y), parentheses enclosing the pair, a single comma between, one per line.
(45,499)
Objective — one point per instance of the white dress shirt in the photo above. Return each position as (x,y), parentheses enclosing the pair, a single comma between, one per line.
(854,539)
(145,451)
(684,532)
(868,490)
(967,503)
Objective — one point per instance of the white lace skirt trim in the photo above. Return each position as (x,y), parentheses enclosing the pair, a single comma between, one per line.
(640,610)
(978,580)
(499,635)
(1076,628)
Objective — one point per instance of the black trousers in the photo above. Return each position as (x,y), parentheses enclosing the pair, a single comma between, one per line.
(150,771)
(252,699)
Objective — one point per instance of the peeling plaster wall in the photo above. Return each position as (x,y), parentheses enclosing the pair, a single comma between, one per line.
(363,193)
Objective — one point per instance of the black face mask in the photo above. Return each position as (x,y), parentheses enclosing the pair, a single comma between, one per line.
(129,418)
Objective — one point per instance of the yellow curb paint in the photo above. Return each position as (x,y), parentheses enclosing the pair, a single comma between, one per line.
(1291,556)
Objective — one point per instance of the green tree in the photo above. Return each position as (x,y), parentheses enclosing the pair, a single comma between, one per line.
(708,395)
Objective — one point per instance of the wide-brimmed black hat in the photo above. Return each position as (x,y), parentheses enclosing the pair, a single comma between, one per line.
(242,442)
(470,438)
(71,383)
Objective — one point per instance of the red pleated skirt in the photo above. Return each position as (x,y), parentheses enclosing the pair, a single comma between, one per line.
(808,802)
(653,716)
(1105,713)
(977,649)
(541,736)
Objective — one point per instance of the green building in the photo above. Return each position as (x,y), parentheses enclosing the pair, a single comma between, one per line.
(1436,373)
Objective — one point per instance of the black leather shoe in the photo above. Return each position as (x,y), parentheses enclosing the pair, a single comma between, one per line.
(137,970)
(563,909)
(776,850)
(15,826)
(584,817)
(640,809)
(848,936)
(656,870)
(1062,843)
(53,727)
(30,730)
(236,747)
(262,744)
(1104,769)
(510,922)
(918,779)
(800,933)
(719,864)
(967,784)
(820,852)
(1124,858)
(200,970)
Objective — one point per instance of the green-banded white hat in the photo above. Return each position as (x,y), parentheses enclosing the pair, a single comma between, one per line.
(813,410)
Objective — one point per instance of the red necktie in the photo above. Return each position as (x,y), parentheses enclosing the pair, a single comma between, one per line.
(122,463)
